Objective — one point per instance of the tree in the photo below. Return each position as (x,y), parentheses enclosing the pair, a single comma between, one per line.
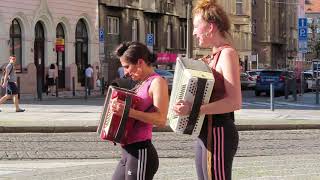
(317,48)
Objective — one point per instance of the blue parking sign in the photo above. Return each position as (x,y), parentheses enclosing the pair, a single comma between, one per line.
(101,35)
(150,39)
(303,33)
(302,22)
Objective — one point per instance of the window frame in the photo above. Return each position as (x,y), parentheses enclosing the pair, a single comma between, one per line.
(14,37)
(113,25)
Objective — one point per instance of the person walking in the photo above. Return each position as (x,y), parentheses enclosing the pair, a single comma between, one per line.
(139,159)
(217,143)
(89,79)
(10,83)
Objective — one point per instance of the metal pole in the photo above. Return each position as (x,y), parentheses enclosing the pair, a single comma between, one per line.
(317,90)
(189,30)
(271,97)
(86,87)
(102,86)
(18,85)
(57,85)
(73,87)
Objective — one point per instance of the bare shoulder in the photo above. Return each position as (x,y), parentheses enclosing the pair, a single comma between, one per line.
(229,52)
(158,81)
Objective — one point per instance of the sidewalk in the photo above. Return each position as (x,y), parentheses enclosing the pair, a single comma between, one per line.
(75,114)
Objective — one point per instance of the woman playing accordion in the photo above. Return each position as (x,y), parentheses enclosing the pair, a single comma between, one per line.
(139,157)
(218,140)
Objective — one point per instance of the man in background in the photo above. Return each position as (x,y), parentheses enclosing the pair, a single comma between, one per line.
(10,83)
(89,79)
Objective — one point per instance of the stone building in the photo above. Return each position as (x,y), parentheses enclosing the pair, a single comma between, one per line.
(44,32)
(312,11)
(134,20)
(274,37)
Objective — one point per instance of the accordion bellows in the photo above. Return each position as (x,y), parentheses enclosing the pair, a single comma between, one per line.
(193,82)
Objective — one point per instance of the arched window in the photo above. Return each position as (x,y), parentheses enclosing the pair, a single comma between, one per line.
(60,49)
(16,43)
(81,49)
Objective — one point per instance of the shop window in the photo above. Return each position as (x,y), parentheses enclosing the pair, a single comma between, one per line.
(16,43)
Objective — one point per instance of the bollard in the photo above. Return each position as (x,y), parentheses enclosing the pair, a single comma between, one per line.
(294,89)
(317,90)
(18,86)
(271,97)
(73,87)
(286,88)
(86,89)
(102,86)
(57,84)
(39,89)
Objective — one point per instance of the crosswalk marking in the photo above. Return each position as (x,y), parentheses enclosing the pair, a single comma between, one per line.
(279,104)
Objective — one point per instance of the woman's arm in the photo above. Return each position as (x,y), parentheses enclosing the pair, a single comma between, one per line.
(228,65)
(159,92)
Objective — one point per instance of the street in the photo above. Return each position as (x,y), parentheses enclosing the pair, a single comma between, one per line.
(284,154)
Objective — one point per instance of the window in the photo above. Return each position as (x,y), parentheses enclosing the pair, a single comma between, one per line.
(254,27)
(239,4)
(113,25)
(170,5)
(237,27)
(152,29)
(169,36)
(183,36)
(135,30)
(16,43)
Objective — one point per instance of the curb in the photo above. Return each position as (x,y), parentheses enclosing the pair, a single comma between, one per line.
(70,129)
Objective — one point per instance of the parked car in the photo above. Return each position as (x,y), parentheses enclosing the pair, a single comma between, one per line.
(276,77)
(254,74)
(310,81)
(166,75)
(247,81)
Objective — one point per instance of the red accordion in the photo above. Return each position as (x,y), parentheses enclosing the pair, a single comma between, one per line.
(113,127)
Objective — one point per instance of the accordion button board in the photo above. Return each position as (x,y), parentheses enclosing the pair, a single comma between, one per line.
(193,82)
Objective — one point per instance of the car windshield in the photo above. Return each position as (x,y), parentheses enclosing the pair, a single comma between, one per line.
(270,73)
(252,73)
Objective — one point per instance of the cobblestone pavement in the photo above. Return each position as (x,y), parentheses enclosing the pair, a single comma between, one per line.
(261,155)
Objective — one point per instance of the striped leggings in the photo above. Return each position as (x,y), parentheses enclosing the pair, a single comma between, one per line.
(139,161)
(215,148)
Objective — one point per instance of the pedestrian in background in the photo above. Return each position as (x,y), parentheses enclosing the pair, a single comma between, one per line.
(89,79)
(51,79)
(217,143)
(10,83)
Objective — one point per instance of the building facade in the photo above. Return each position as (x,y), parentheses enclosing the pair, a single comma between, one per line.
(44,32)
(274,37)
(312,12)
(161,24)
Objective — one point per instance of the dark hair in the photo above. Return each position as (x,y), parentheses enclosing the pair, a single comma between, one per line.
(52,66)
(133,51)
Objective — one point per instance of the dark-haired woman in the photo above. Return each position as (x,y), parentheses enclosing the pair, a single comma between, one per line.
(218,140)
(139,158)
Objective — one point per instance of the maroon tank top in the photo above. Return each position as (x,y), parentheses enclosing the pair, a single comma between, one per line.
(218,88)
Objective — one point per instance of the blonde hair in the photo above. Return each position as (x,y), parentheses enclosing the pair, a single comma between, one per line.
(211,12)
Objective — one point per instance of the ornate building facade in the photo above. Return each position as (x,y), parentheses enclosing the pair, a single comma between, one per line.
(44,32)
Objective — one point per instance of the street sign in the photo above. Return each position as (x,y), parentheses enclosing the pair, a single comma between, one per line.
(150,39)
(302,22)
(303,33)
(101,35)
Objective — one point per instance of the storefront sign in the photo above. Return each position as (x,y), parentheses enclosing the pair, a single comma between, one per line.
(59,44)
(163,58)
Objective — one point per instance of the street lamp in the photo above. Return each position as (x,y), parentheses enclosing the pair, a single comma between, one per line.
(189,29)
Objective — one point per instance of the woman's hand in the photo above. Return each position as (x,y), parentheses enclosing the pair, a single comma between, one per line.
(182,108)
(117,106)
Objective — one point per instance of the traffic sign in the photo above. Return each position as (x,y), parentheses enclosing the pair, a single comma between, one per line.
(101,35)
(150,39)
(302,22)
(303,33)
(303,46)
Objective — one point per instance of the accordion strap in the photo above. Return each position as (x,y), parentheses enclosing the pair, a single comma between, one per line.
(201,85)
(124,118)
(209,147)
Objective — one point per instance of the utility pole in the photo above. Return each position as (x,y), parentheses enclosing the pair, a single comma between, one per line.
(189,30)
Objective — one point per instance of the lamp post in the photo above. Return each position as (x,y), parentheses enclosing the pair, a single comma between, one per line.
(189,29)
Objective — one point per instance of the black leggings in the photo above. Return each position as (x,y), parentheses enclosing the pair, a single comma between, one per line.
(224,145)
(139,161)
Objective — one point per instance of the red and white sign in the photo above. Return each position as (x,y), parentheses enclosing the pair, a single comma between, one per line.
(163,58)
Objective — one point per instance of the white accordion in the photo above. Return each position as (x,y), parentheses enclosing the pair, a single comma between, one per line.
(193,82)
